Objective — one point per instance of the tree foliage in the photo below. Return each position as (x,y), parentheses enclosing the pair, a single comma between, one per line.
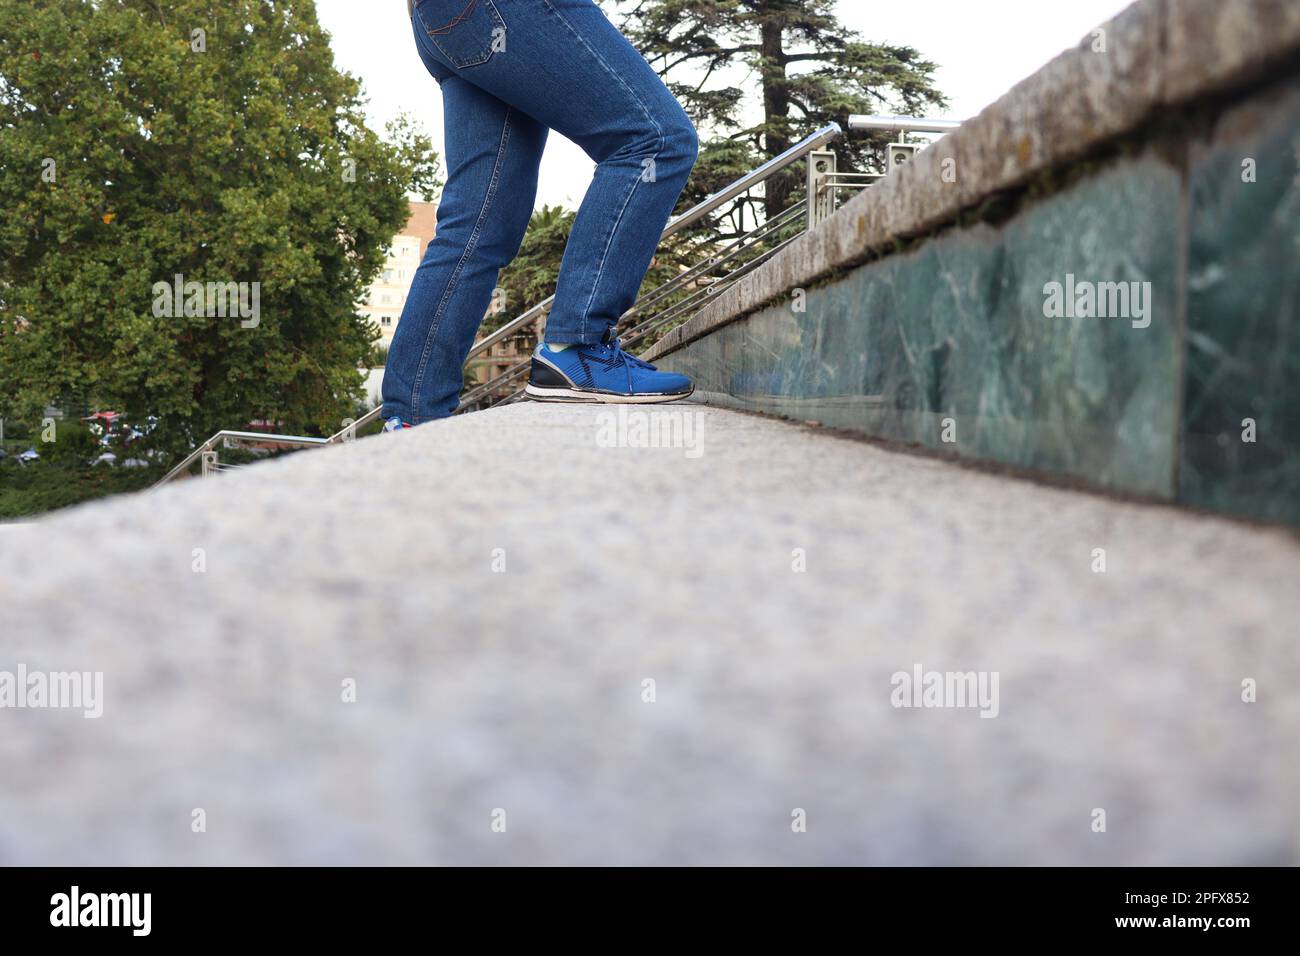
(141,140)
(531,277)
(759,75)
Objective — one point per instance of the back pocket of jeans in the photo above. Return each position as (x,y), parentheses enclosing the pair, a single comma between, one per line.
(466,32)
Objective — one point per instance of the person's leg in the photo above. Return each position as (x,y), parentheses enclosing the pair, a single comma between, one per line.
(644,154)
(492,152)
(564,64)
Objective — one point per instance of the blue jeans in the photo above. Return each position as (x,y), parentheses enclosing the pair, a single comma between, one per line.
(509,71)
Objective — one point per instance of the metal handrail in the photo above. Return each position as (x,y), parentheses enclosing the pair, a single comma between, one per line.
(701,209)
(220,436)
(903,124)
(754,177)
(490,386)
(637,332)
(511,327)
(724,255)
(347,432)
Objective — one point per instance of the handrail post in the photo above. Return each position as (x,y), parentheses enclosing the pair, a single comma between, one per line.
(821,188)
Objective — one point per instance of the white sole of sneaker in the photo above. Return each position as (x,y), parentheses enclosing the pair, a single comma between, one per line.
(540,394)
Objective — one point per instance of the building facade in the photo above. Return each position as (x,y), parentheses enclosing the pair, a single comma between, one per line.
(387,294)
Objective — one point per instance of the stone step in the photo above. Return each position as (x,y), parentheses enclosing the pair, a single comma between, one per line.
(386,651)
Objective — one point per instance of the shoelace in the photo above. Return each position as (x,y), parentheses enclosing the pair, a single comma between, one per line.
(627,357)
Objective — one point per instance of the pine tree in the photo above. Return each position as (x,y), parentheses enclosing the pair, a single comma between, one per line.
(806,70)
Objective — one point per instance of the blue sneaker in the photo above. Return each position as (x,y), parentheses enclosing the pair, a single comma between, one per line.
(395,424)
(600,373)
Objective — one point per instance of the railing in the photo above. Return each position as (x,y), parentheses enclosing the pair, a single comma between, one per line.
(207,452)
(684,293)
(744,184)
(696,285)
(903,124)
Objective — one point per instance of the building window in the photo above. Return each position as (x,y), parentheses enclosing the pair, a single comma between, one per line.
(386,320)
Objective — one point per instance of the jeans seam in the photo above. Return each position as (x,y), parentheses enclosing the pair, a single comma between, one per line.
(609,239)
(452,282)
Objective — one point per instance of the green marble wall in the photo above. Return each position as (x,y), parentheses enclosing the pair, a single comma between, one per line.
(949,346)
(957,331)
(1243,315)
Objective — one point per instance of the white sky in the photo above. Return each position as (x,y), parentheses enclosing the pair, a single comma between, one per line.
(983,47)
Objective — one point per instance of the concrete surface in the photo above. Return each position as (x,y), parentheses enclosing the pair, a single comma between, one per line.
(226,615)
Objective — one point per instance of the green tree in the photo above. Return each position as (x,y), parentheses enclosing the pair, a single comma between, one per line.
(803,70)
(141,140)
(74,446)
(531,277)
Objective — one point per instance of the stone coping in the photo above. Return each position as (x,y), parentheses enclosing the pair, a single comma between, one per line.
(1157,54)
